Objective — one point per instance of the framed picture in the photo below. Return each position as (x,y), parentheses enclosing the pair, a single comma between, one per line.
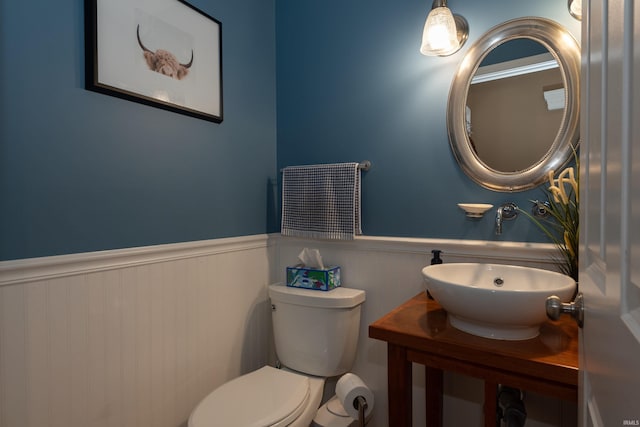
(162,53)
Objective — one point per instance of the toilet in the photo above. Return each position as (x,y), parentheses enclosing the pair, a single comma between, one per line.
(316,337)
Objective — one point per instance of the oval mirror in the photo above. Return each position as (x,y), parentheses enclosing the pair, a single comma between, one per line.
(513,112)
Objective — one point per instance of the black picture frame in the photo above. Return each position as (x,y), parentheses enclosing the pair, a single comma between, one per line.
(166,54)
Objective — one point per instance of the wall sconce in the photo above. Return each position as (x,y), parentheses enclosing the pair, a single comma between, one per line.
(444,32)
(575,9)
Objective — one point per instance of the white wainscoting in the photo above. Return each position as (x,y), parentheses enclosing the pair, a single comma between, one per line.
(136,337)
(132,337)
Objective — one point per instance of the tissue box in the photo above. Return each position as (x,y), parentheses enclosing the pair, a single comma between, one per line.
(312,278)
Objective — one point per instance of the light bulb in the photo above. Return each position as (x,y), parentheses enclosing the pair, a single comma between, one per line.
(439,36)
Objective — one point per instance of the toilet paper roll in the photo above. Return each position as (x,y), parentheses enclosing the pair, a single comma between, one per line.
(348,388)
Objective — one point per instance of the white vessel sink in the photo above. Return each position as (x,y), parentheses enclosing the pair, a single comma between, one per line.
(496,301)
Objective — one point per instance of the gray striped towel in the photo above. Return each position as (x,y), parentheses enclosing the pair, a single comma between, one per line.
(321,201)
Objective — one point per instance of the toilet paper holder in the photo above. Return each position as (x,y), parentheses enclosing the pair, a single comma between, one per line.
(356,398)
(360,403)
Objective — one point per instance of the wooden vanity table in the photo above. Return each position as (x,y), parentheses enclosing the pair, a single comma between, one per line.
(418,332)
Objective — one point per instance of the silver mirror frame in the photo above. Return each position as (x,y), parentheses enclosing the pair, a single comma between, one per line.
(566,50)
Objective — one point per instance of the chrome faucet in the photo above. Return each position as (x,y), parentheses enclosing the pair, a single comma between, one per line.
(499,221)
(507,211)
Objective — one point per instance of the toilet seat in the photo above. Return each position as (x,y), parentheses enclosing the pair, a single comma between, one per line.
(268,397)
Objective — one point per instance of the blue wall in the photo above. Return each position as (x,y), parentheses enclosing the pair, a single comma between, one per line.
(82,171)
(353,86)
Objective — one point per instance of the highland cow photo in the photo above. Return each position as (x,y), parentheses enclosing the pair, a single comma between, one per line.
(162,53)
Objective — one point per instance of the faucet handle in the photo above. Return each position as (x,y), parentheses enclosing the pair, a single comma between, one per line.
(540,209)
(509,210)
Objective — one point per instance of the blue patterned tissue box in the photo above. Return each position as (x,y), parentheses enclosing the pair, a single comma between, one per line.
(312,278)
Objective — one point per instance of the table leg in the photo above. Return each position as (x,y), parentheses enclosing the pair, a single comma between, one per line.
(433,404)
(490,404)
(400,383)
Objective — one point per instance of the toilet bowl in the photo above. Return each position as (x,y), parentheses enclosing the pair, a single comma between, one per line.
(333,414)
(267,397)
(316,335)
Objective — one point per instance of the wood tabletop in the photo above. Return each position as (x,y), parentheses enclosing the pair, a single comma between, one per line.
(421,325)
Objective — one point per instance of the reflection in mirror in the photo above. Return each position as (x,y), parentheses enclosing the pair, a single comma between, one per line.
(509,122)
(513,118)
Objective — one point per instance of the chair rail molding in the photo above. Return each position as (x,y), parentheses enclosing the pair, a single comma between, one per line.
(46,268)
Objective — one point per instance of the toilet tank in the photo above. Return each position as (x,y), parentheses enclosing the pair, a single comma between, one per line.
(316,332)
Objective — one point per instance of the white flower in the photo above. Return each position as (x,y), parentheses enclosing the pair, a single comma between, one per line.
(557,187)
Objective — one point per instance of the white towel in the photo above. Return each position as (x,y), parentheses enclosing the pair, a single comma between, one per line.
(321,201)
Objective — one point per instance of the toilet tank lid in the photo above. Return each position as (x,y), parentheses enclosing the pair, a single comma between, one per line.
(335,298)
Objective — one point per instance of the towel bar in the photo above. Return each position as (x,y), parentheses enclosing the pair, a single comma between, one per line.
(364,165)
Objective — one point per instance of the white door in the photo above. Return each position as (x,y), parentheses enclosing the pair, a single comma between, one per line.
(610,214)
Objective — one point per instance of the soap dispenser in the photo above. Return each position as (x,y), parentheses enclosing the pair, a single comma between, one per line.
(435,260)
(436,257)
